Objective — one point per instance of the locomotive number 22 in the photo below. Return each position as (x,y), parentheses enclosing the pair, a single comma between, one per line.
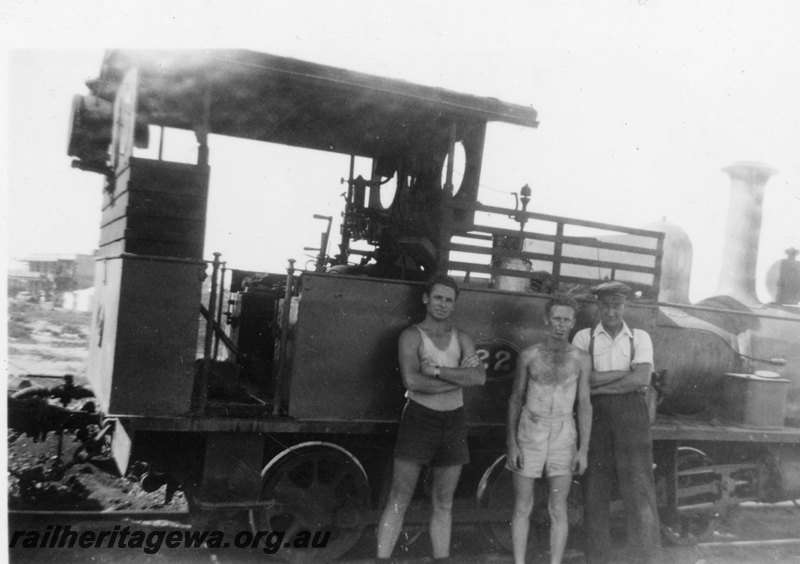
(499,358)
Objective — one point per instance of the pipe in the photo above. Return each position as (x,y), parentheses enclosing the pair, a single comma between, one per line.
(212,308)
(771,542)
(743,231)
(200,391)
(218,319)
(445,212)
(284,337)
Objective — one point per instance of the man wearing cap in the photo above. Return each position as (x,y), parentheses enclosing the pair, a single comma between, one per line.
(620,443)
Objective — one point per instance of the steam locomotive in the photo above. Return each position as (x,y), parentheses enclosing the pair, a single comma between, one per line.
(272,398)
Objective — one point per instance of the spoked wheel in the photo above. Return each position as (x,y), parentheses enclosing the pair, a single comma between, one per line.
(690,528)
(321,493)
(496,496)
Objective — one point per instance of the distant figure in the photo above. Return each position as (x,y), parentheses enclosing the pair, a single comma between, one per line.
(541,282)
(621,445)
(437,360)
(789,279)
(541,426)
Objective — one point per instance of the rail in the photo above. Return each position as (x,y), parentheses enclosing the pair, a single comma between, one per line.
(550,256)
(98,515)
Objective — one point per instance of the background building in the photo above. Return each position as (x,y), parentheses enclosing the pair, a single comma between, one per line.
(48,277)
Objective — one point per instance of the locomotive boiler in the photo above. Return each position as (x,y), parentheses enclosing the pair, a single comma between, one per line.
(273,398)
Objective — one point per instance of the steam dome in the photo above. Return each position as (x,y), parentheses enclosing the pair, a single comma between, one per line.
(676,265)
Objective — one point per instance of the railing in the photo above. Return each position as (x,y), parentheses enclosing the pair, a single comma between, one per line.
(543,251)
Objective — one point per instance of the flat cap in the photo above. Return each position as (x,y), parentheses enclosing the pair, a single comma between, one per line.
(612,289)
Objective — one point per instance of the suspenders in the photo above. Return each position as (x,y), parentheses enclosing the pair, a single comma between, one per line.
(591,345)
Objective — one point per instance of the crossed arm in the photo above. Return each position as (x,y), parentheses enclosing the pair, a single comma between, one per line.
(419,375)
(621,381)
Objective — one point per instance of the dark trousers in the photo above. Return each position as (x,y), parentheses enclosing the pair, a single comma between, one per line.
(620,444)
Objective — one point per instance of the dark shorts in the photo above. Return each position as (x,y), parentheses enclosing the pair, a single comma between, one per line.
(436,438)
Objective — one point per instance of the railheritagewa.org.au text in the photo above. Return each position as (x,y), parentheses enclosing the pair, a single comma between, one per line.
(152,541)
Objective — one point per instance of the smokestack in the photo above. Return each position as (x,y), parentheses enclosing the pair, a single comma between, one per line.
(743,231)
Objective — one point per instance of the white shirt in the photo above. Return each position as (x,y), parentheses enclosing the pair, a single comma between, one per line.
(615,354)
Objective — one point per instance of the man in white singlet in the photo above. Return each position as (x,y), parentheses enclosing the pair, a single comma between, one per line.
(436,361)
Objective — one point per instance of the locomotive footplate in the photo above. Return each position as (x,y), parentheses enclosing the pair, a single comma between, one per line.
(682,428)
(666,428)
(266,424)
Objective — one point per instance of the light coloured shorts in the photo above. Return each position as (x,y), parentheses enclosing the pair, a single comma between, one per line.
(546,443)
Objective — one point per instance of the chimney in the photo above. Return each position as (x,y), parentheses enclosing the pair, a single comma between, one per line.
(743,231)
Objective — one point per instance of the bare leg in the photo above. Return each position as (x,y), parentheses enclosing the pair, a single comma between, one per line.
(404,479)
(520,521)
(559,523)
(445,480)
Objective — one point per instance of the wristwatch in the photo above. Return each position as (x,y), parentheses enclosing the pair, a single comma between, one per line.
(436,372)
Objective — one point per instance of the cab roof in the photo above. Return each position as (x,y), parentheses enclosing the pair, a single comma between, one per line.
(283,100)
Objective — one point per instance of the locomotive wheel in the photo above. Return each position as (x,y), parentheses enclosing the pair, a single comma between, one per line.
(496,492)
(690,528)
(317,487)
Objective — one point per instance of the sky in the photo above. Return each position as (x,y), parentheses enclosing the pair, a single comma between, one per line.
(641,104)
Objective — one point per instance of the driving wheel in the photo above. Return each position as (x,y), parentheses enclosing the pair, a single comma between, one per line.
(495,495)
(690,528)
(318,488)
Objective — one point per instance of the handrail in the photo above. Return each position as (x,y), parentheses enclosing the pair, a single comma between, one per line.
(584,241)
(478,207)
(511,253)
(628,257)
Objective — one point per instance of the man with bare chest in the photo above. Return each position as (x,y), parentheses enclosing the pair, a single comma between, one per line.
(541,427)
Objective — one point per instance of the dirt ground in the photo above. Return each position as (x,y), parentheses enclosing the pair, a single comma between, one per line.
(46,341)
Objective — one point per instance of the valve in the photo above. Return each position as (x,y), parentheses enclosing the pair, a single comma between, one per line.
(525,198)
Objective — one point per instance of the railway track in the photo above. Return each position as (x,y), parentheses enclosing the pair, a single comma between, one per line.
(144,515)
